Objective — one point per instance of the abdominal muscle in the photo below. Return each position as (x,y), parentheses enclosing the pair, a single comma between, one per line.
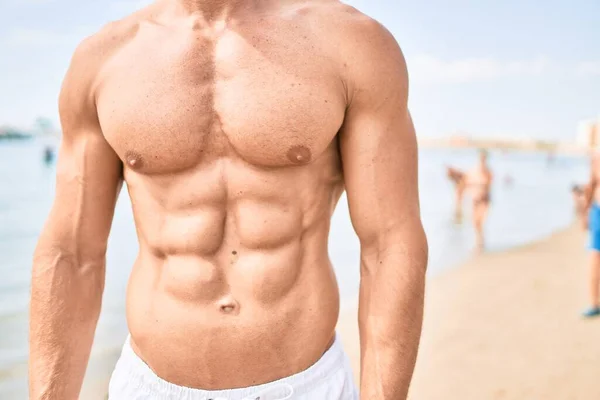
(232,294)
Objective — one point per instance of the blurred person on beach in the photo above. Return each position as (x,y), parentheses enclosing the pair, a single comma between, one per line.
(235,155)
(478,183)
(457,177)
(579,193)
(592,203)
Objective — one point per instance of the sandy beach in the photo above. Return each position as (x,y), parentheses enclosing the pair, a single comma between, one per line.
(507,326)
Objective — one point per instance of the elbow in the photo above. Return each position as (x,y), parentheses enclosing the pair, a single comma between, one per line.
(406,245)
(69,257)
(61,274)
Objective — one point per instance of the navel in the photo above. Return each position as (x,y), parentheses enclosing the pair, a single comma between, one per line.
(133,160)
(230,306)
(299,155)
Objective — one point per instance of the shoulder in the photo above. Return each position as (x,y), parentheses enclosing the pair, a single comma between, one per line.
(77,91)
(343,26)
(97,48)
(336,14)
(360,32)
(367,54)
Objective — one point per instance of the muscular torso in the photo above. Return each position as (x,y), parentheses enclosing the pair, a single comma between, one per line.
(227,134)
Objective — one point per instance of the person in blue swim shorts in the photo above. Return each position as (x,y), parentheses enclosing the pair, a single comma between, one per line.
(593,205)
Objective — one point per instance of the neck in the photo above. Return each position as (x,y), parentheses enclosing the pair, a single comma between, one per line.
(212,9)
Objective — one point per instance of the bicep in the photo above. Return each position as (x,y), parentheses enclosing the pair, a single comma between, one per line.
(87,185)
(379,149)
(379,156)
(89,175)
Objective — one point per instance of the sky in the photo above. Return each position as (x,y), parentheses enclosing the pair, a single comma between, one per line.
(510,68)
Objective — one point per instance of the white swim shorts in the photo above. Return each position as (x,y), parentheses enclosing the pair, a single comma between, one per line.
(330,378)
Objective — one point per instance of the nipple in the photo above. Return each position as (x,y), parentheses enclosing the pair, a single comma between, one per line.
(299,154)
(133,159)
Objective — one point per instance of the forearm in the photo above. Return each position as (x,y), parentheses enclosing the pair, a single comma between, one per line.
(66,297)
(391,314)
(589,194)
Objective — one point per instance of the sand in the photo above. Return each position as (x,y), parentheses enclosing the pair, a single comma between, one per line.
(506,326)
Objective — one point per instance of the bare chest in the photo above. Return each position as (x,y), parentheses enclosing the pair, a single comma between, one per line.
(169,100)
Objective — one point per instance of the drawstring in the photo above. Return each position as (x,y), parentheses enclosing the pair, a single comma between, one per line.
(261,393)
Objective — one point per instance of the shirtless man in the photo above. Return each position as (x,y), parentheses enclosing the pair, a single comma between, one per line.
(478,183)
(236,126)
(592,203)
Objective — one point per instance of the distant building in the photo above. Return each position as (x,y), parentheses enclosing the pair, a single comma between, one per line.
(588,133)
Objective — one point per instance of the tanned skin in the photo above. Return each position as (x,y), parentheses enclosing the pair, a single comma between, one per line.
(236,125)
(478,183)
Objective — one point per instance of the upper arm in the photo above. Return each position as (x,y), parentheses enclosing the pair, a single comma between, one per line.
(378,145)
(89,173)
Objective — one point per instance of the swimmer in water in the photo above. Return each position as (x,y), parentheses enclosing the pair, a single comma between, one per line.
(48,155)
(478,185)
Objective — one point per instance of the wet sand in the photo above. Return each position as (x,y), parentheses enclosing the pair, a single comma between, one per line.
(507,326)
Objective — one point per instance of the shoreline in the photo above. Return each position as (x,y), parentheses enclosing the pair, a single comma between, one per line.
(458,142)
(506,325)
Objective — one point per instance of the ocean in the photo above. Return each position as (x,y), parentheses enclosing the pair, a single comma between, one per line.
(531,199)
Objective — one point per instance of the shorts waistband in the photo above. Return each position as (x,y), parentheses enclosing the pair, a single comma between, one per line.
(139,374)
